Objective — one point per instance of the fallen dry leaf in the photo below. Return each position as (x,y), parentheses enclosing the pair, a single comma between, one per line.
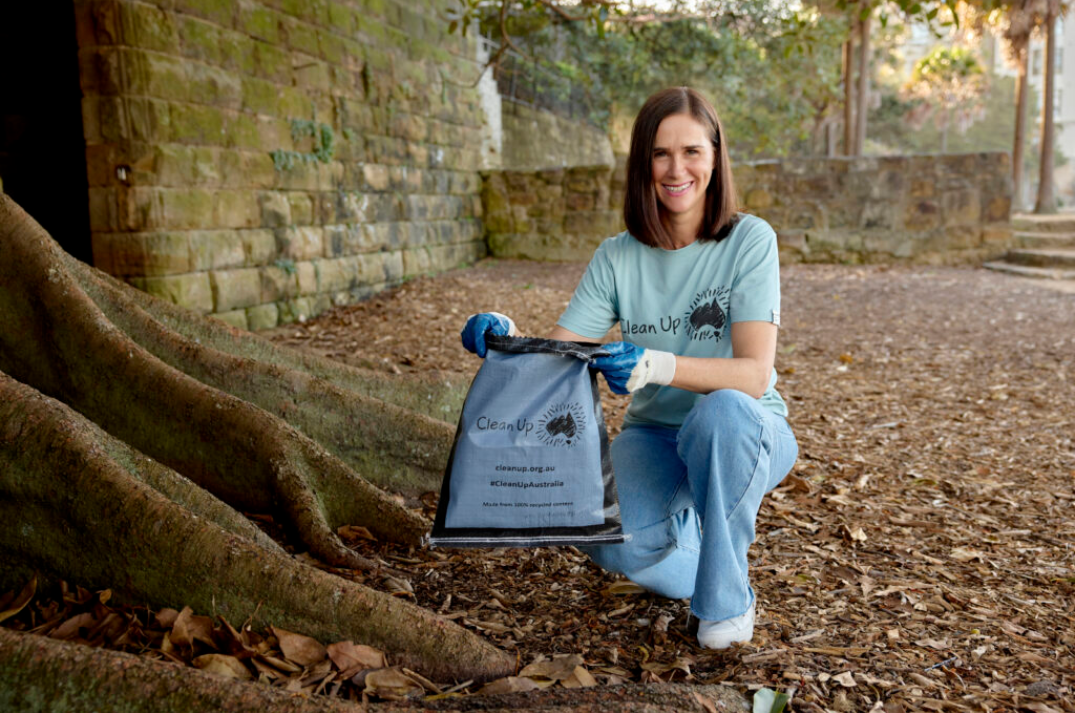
(20,600)
(392,684)
(939,644)
(510,684)
(624,586)
(299,649)
(355,532)
(351,658)
(188,628)
(222,665)
(70,627)
(579,678)
(845,679)
(965,554)
(557,669)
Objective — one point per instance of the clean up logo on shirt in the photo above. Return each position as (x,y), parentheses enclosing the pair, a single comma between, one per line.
(707,314)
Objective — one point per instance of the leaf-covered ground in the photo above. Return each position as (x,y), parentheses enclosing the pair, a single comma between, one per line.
(922,553)
(920,556)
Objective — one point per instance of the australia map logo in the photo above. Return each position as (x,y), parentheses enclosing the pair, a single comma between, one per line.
(707,314)
(562,424)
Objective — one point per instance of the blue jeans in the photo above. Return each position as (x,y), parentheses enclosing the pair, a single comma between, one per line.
(689,499)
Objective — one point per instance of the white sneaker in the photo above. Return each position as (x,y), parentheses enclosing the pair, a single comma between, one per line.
(722,634)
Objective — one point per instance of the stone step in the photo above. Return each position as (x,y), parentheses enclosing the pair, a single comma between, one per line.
(1057,258)
(1057,223)
(1047,273)
(1028,239)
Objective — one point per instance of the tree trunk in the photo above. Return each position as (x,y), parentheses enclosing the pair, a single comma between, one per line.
(849,96)
(1046,189)
(120,468)
(1020,130)
(40,674)
(862,93)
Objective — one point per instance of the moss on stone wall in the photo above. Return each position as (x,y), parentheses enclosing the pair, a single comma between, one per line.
(317,136)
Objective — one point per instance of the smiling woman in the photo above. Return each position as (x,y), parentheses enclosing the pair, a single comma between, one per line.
(695,287)
(679,177)
(683,161)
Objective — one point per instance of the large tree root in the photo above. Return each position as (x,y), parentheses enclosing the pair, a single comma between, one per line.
(388,445)
(80,505)
(56,339)
(107,442)
(39,674)
(436,395)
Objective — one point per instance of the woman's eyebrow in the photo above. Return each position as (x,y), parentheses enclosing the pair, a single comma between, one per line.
(691,146)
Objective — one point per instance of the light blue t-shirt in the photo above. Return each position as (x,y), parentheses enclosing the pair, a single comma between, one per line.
(681,301)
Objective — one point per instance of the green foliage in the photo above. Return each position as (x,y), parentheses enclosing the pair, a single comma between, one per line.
(946,66)
(928,13)
(283,160)
(773,74)
(287,265)
(773,70)
(324,145)
(892,132)
(950,81)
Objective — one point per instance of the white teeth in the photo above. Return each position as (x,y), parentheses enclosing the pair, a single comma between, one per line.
(677,189)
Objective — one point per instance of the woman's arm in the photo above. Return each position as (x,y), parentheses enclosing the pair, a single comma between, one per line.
(749,369)
(566,335)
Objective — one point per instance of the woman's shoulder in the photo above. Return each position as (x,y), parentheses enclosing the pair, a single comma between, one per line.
(750,232)
(620,240)
(620,244)
(751,225)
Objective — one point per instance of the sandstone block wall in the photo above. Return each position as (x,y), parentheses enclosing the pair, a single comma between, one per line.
(936,209)
(924,209)
(554,214)
(539,140)
(263,160)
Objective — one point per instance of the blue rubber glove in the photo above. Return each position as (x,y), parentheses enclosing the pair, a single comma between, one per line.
(630,367)
(478,325)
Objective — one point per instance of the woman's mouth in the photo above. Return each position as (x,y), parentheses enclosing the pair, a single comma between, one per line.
(676,190)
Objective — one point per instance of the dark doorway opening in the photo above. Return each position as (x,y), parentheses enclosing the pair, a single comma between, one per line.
(42,149)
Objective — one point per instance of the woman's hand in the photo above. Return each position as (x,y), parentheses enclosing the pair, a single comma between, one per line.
(631,367)
(478,325)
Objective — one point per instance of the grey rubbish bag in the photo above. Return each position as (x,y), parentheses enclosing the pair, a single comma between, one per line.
(530,465)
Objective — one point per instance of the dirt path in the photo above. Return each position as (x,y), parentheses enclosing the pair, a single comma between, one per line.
(923,551)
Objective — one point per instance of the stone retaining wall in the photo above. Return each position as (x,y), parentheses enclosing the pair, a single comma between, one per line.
(936,209)
(555,214)
(539,140)
(263,160)
(925,209)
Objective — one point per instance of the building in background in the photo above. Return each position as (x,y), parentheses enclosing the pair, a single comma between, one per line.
(991,51)
(1063,104)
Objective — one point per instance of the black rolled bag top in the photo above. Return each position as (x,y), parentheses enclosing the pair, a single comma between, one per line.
(530,465)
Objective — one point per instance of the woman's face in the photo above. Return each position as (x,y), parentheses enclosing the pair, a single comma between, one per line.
(683,161)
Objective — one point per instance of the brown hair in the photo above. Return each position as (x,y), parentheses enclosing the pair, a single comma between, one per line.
(641,209)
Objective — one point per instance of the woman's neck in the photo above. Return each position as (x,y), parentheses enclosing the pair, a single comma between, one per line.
(682,229)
